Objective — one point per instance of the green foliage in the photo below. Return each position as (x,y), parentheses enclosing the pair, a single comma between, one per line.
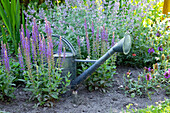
(161,107)
(38,71)
(158,39)
(16,72)
(102,78)
(68,20)
(146,37)
(10,13)
(144,86)
(6,84)
(44,87)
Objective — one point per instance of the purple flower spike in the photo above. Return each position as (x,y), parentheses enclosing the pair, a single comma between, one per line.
(97,42)
(46,26)
(48,52)
(44,46)
(60,47)
(27,32)
(167,74)
(113,40)
(40,46)
(103,33)
(87,39)
(88,45)
(34,35)
(92,28)
(85,25)
(49,29)
(49,36)
(20,59)
(5,57)
(36,29)
(78,41)
(151,50)
(49,58)
(148,77)
(33,50)
(106,38)
(64,56)
(27,51)
(28,35)
(97,35)
(22,30)
(22,40)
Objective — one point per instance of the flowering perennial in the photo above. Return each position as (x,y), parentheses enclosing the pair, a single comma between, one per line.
(148,77)
(5,57)
(87,39)
(21,62)
(167,74)
(160,48)
(151,50)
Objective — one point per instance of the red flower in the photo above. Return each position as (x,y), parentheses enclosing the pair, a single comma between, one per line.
(133,54)
(128,73)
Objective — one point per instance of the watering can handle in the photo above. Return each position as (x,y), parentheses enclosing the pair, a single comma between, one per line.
(68,44)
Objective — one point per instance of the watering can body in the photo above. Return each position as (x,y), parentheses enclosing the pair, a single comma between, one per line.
(69,64)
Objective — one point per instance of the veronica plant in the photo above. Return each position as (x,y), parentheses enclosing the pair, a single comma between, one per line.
(6,78)
(43,79)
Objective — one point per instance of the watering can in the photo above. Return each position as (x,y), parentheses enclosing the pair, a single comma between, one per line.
(69,65)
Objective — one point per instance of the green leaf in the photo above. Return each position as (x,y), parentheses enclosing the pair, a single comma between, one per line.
(5,19)
(4,35)
(22,80)
(55,95)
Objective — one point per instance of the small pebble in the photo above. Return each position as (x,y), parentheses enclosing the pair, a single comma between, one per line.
(74,105)
(121,86)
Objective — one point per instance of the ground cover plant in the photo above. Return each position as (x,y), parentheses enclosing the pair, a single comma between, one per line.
(156,75)
(161,107)
(92,27)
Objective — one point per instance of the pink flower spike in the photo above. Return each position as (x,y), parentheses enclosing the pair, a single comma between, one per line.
(148,77)
(167,74)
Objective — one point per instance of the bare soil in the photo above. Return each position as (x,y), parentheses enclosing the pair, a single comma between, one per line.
(86,102)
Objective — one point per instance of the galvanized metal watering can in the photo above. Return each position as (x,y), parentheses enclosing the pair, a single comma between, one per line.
(124,45)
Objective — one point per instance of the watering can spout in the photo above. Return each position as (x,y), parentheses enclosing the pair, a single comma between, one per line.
(124,45)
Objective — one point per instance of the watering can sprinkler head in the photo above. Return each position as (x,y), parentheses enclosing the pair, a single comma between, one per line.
(124,45)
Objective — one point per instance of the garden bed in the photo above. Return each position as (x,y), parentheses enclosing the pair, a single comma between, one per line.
(114,100)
